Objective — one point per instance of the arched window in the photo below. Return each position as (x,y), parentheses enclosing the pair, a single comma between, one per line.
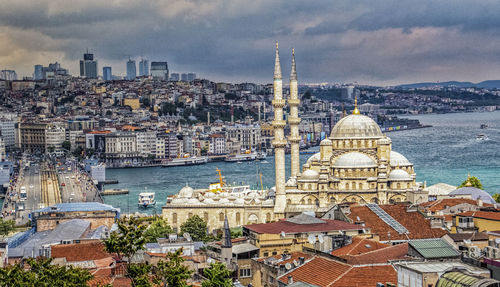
(347,186)
(399,185)
(238,218)
(309,201)
(205,216)
(308,186)
(174,218)
(353,185)
(332,199)
(316,202)
(268,217)
(221,216)
(190,215)
(288,202)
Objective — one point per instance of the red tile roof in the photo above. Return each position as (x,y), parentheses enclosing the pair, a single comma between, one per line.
(383,255)
(80,252)
(441,204)
(418,226)
(329,273)
(490,215)
(359,245)
(292,256)
(290,227)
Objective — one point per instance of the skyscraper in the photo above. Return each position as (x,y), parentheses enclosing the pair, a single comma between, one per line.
(131,70)
(106,74)
(184,77)
(88,66)
(174,77)
(38,74)
(9,75)
(159,70)
(143,68)
(191,77)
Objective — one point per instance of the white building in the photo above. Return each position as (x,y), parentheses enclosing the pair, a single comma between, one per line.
(8,132)
(2,150)
(146,143)
(217,144)
(98,172)
(72,138)
(54,137)
(247,135)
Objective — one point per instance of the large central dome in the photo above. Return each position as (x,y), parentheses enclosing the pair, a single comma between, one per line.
(356,126)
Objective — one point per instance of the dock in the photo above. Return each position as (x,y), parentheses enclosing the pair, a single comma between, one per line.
(114,191)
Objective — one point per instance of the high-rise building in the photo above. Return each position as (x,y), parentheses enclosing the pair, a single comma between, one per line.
(191,77)
(106,74)
(8,75)
(8,132)
(143,68)
(174,77)
(184,77)
(88,66)
(131,70)
(159,70)
(38,74)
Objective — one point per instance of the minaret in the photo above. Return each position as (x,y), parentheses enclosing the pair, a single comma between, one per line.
(227,245)
(294,120)
(279,141)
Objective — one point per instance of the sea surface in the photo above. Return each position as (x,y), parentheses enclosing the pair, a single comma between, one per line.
(445,152)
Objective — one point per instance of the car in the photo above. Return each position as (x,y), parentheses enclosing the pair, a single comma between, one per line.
(67,177)
(63,184)
(72,176)
(31,186)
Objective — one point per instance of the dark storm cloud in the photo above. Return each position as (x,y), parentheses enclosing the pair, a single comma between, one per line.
(364,41)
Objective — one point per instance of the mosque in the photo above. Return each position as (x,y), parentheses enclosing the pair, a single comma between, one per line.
(355,164)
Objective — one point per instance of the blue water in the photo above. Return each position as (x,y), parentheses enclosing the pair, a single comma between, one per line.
(446,152)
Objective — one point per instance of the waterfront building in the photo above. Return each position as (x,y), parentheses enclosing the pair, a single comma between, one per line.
(356,164)
(159,70)
(55,135)
(146,143)
(131,70)
(143,68)
(121,149)
(2,150)
(106,74)
(217,144)
(88,66)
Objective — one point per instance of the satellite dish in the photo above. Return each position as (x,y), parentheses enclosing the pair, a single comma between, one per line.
(341,232)
(186,236)
(282,234)
(311,239)
(321,239)
(295,263)
(474,252)
(288,266)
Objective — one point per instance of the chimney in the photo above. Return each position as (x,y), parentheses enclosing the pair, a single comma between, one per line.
(290,279)
(301,260)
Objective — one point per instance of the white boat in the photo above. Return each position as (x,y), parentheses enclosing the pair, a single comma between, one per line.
(481,137)
(185,161)
(146,199)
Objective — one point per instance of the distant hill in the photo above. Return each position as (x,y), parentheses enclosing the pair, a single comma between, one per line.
(490,84)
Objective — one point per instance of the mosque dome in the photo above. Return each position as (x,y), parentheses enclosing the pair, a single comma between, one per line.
(398,159)
(356,126)
(179,201)
(325,142)
(399,174)
(186,192)
(208,201)
(239,201)
(354,160)
(475,193)
(193,201)
(223,201)
(314,157)
(309,175)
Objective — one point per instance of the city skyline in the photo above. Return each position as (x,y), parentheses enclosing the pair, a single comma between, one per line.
(334,42)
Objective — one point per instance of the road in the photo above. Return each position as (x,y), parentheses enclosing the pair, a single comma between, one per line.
(71,188)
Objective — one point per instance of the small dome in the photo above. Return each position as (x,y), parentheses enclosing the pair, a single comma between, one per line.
(193,201)
(354,159)
(356,126)
(179,201)
(309,174)
(208,201)
(326,142)
(186,192)
(239,201)
(475,193)
(399,159)
(223,201)
(314,157)
(399,174)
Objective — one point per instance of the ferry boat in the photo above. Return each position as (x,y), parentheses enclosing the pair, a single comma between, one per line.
(481,137)
(185,161)
(146,199)
(245,157)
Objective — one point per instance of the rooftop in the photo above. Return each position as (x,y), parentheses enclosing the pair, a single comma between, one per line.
(291,227)
(434,248)
(84,251)
(490,215)
(78,206)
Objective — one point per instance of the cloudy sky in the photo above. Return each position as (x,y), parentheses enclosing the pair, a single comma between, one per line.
(371,42)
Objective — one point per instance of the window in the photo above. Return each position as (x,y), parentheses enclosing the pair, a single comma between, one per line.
(275,253)
(247,272)
(266,254)
(190,215)
(221,216)
(205,216)
(174,218)
(238,218)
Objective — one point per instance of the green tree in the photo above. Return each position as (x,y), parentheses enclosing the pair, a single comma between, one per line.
(66,145)
(139,274)
(78,152)
(168,108)
(496,197)
(158,229)
(42,273)
(472,181)
(217,276)
(171,272)
(50,149)
(6,226)
(196,227)
(127,240)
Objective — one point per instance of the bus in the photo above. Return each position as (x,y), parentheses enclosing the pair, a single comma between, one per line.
(23,195)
